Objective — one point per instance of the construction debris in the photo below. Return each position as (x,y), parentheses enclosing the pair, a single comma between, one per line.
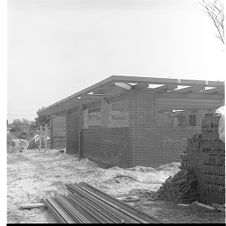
(203,205)
(129,199)
(87,204)
(219,207)
(32,205)
(15,144)
(144,194)
(38,172)
(185,205)
(214,206)
(179,188)
(34,142)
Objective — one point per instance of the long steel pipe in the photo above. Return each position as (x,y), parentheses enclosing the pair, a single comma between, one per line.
(87,204)
(138,213)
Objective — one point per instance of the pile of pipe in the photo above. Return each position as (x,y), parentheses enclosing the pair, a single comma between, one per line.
(86,204)
(179,188)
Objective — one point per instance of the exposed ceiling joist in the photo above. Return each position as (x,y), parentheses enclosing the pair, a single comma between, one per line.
(170,88)
(123,85)
(191,95)
(187,100)
(213,90)
(186,106)
(91,97)
(191,88)
(106,87)
(141,85)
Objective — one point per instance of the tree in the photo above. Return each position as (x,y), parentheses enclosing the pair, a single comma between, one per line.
(215,10)
(24,129)
(42,120)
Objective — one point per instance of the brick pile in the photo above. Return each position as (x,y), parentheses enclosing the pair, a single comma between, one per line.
(179,188)
(205,158)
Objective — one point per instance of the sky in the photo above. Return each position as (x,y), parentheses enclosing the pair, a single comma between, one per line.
(59,47)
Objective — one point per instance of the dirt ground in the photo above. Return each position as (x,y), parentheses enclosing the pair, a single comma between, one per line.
(33,174)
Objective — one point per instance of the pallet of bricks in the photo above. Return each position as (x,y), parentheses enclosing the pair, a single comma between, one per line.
(205,158)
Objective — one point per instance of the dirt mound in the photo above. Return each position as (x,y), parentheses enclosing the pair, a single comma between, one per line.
(142,169)
(150,175)
(86,163)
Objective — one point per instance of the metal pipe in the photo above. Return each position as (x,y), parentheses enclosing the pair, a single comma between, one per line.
(91,209)
(138,213)
(87,204)
(112,209)
(58,211)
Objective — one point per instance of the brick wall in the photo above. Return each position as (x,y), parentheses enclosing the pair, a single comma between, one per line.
(106,145)
(119,113)
(75,122)
(144,142)
(58,132)
(142,128)
(152,144)
(173,142)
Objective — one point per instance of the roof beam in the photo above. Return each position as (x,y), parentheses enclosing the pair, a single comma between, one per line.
(191,95)
(214,90)
(181,105)
(170,87)
(187,103)
(134,79)
(123,85)
(141,86)
(110,89)
(188,108)
(187,100)
(190,89)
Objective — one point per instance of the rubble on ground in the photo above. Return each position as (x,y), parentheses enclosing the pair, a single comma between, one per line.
(179,188)
(16,145)
(145,194)
(33,174)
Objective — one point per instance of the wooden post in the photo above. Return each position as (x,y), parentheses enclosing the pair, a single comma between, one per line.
(40,138)
(46,130)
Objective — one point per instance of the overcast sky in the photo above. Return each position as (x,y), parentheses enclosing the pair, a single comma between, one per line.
(59,47)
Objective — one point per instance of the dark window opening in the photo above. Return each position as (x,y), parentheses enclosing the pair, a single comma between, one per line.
(192,120)
(181,120)
(208,114)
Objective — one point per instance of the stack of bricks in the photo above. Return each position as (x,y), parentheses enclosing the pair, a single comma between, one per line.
(205,158)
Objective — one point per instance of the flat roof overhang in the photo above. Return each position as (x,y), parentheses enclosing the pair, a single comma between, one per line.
(117,85)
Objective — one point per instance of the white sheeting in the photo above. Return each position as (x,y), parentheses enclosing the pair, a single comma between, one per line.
(221,126)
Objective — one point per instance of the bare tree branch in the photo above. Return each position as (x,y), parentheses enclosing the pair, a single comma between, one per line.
(215,10)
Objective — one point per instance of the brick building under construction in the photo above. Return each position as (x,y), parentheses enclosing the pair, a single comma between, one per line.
(129,121)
